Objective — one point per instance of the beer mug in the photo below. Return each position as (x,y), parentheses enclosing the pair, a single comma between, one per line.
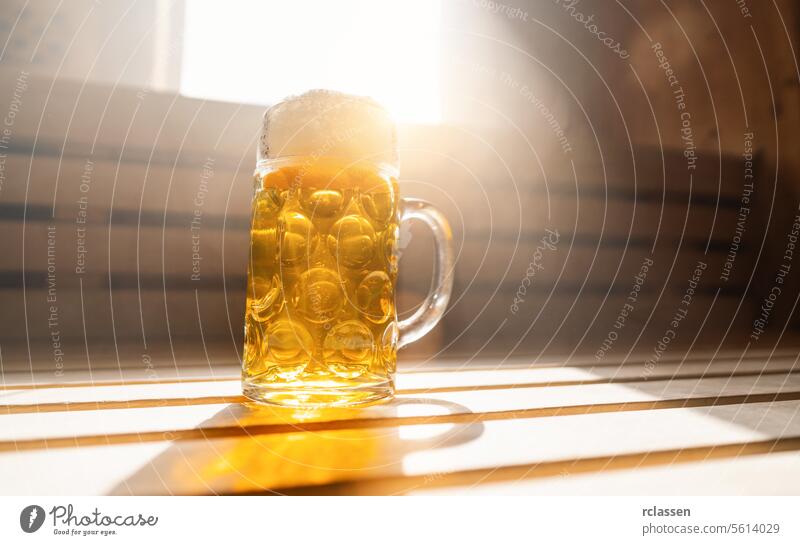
(321,326)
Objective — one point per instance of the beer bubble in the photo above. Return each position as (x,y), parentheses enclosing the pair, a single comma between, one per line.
(389,346)
(351,241)
(318,295)
(348,349)
(321,203)
(379,203)
(298,237)
(389,244)
(253,349)
(374,297)
(289,343)
(263,247)
(264,296)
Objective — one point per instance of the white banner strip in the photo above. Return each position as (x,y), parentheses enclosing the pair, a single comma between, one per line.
(746,520)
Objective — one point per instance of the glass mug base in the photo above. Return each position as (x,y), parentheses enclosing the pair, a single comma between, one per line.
(309,394)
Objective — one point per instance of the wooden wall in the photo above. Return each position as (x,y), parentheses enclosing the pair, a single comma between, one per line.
(547,136)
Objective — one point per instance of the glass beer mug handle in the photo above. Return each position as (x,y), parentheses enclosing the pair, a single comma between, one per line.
(432,309)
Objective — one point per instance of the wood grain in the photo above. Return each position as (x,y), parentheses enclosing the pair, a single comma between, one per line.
(152,421)
(407,458)
(99,395)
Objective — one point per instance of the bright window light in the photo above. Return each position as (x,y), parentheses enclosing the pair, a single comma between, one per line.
(260,52)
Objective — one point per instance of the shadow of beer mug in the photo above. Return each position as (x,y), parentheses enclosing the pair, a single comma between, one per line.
(250,448)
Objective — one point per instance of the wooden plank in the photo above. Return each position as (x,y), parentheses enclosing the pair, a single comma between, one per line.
(125,184)
(90,395)
(126,251)
(554,376)
(482,265)
(404,458)
(142,119)
(159,358)
(75,114)
(455,158)
(91,471)
(188,420)
(596,216)
(579,324)
(563,446)
(105,372)
(70,399)
(746,475)
(178,313)
(126,375)
(720,355)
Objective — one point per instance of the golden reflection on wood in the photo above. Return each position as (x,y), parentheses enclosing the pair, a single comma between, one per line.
(265,463)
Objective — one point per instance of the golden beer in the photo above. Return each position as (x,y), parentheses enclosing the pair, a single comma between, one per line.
(321,327)
(320,312)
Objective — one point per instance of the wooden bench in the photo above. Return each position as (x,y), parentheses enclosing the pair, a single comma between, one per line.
(142,159)
(708,424)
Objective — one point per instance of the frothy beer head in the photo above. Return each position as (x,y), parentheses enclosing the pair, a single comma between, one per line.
(324,123)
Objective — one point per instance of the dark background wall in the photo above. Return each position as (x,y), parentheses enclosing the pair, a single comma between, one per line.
(545,130)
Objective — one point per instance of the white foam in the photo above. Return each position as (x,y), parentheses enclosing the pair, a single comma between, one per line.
(327,123)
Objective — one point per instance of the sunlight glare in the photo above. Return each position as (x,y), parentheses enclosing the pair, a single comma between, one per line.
(260,52)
